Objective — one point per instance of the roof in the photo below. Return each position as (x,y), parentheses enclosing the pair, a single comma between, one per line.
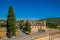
(36,23)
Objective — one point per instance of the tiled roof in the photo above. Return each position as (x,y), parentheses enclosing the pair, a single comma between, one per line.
(36,23)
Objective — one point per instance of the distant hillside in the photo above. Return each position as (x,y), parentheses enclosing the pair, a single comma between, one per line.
(50,19)
(3,20)
(52,22)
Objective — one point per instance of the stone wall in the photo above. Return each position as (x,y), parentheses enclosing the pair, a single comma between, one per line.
(50,36)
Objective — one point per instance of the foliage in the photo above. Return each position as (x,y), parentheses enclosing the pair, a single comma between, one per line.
(27,27)
(41,30)
(21,24)
(11,23)
(3,32)
(17,32)
(52,22)
(2,25)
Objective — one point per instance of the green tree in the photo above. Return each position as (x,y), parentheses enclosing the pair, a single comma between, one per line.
(27,27)
(52,24)
(11,23)
(3,25)
(0,24)
(21,24)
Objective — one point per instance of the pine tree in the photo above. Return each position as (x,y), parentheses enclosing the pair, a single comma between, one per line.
(11,23)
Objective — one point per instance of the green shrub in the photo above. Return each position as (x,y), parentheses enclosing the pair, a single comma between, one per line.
(17,33)
(41,30)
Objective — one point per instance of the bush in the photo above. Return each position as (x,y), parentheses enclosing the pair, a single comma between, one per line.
(17,33)
(41,30)
(51,24)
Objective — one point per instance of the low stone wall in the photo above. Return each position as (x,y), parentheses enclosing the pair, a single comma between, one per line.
(50,36)
(53,36)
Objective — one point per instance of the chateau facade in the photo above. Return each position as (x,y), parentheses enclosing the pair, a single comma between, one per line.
(37,25)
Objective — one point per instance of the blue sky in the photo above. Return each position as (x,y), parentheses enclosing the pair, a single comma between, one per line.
(31,9)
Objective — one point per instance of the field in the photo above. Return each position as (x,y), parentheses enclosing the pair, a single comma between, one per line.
(2,32)
(50,29)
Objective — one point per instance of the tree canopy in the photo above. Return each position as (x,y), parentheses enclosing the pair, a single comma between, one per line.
(11,23)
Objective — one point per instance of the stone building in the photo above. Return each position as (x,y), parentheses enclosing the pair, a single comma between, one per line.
(37,25)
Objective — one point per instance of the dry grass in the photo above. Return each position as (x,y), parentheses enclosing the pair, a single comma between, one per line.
(50,29)
(17,32)
(2,32)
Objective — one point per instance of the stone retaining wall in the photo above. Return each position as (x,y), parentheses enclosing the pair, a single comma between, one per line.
(50,36)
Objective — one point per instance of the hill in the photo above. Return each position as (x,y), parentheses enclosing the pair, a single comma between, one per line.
(52,22)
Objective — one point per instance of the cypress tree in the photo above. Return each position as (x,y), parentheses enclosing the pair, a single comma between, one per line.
(11,23)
